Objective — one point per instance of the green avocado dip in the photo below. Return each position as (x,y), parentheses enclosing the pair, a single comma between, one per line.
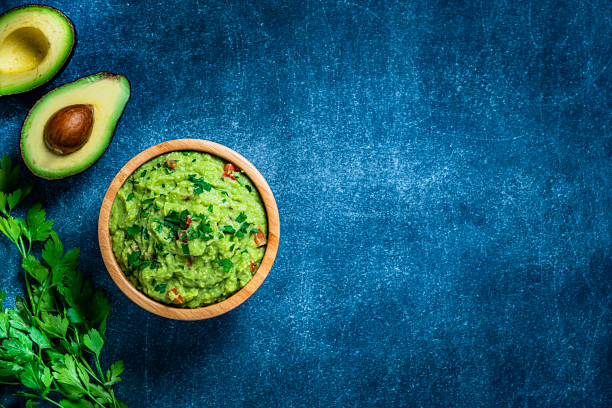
(188,229)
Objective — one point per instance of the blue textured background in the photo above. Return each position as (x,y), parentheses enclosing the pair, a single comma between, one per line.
(443,174)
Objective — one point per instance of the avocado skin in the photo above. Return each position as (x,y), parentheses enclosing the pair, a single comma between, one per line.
(68,55)
(99,75)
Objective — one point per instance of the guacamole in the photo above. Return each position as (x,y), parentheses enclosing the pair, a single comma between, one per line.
(188,229)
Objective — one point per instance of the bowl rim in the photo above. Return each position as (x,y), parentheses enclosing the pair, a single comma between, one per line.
(234,300)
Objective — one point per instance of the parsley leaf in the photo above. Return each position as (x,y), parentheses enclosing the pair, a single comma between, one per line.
(228,228)
(199,185)
(93,341)
(113,373)
(38,226)
(226,264)
(133,231)
(134,258)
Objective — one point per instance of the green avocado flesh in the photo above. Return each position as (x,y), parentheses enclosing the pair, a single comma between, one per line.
(188,229)
(35,42)
(106,93)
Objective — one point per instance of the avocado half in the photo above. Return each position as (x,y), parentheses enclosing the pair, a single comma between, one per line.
(35,42)
(105,94)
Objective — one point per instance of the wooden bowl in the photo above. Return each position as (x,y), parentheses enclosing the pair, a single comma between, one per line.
(216,309)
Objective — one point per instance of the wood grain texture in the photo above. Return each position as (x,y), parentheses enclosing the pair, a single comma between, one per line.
(202,312)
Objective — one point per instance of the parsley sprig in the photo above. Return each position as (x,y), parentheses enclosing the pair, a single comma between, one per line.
(50,342)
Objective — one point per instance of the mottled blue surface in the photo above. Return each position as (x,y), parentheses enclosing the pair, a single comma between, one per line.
(443,175)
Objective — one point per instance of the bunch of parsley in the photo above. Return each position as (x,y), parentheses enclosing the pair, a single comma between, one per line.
(50,342)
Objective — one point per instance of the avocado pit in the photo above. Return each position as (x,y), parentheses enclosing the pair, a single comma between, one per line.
(69,128)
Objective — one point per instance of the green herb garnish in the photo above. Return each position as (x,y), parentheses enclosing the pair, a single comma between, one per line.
(134,259)
(130,197)
(161,287)
(228,228)
(167,167)
(226,264)
(176,221)
(50,342)
(199,185)
(133,230)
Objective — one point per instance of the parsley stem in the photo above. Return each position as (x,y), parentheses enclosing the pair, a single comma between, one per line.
(30,297)
(51,401)
(42,290)
(95,377)
(40,397)
(89,369)
(98,365)
(106,387)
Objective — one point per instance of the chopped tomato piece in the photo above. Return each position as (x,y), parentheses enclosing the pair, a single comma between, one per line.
(227,171)
(188,220)
(171,163)
(178,298)
(252,266)
(259,238)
